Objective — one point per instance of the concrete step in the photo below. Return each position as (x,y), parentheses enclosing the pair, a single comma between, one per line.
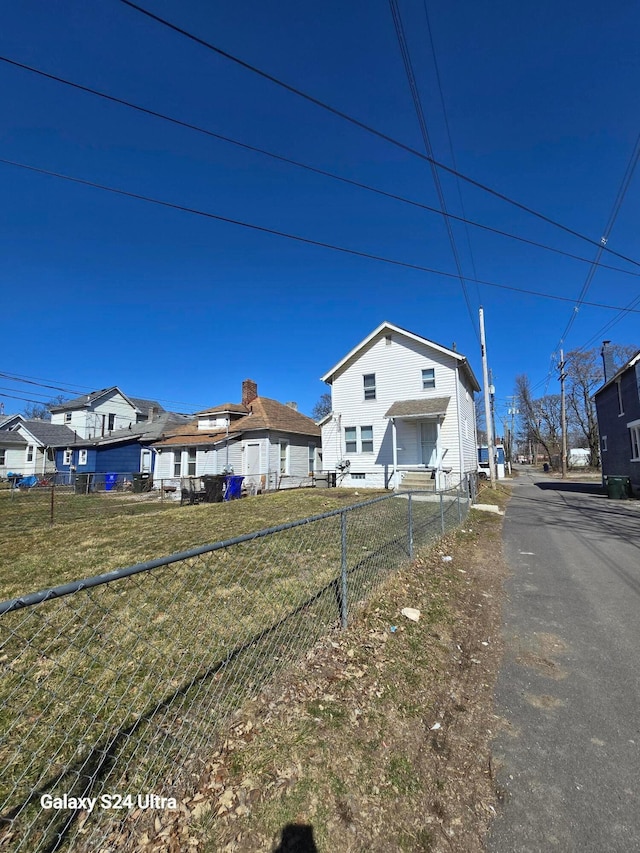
(417,481)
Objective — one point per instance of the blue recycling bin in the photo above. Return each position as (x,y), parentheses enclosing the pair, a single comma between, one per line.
(233,490)
(110,481)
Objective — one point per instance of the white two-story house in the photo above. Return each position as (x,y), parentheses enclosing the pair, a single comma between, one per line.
(402,407)
(104,412)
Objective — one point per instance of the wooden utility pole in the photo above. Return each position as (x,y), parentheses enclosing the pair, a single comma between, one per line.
(563,415)
(487,406)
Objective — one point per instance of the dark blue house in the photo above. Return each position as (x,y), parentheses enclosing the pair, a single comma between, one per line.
(124,451)
(618,409)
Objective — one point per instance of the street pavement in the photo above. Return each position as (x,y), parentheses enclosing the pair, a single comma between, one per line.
(566,756)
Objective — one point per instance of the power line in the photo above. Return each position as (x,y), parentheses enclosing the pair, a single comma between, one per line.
(306,166)
(450,139)
(363,126)
(415,95)
(297,238)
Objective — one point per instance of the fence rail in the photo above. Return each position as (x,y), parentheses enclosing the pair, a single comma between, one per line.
(123,683)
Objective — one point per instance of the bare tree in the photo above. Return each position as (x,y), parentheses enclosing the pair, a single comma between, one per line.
(322,407)
(40,411)
(539,418)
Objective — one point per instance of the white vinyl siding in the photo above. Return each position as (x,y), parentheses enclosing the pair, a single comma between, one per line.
(398,371)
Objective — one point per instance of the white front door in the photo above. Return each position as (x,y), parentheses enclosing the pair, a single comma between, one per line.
(252,459)
(429,443)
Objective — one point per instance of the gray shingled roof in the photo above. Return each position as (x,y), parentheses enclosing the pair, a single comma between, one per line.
(147,431)
(418,408)
(11,439)
(51,435)
(139,403)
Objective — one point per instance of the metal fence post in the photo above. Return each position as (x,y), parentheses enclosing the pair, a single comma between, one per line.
(343,569)
(442,512)
(53,487)
(410,526)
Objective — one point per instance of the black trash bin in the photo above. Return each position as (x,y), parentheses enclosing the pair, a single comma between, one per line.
(545,467)
(213,488)
(618,488)
(83,484)
(142,482)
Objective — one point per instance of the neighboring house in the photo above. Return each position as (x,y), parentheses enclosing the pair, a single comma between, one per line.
(618,410)
(101,413)
(270,443)
(40,440)
(123,451)
(13,449)
(402,409)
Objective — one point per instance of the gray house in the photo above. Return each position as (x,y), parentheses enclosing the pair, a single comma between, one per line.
(618,409)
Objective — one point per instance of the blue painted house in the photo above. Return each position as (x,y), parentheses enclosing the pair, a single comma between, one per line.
(123,451)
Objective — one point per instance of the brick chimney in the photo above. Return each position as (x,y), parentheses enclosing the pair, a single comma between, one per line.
(607,360)
(249,391)
(153,411)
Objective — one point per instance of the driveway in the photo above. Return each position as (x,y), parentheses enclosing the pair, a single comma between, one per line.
(567,748)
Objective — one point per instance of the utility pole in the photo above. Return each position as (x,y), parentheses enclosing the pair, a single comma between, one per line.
(563,415)
(492,402)
(487,407)
(513,411)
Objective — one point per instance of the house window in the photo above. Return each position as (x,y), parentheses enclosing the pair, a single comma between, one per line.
(312,458)
(30,450)
(3,456)
(82,457)
(603,442)
(284,457)
(634,433)
(67,417)
(358,476)
(112,422)
(369,381)
(620,406)
(428,378)
(177,463)
(191,462)
(366,439)
(67,457)
(350,440)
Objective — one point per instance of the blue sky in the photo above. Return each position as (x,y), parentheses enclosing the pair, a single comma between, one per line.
(102,290)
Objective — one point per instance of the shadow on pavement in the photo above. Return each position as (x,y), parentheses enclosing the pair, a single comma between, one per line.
(579,488)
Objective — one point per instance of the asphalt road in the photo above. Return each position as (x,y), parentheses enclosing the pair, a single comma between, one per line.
(567,750)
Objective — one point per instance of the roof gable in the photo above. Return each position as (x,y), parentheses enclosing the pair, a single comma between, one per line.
(390,328)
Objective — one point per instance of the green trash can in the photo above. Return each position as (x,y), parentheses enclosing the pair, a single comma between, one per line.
(142,483)
(618,488)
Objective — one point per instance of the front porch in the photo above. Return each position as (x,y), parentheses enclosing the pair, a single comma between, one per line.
(416,438)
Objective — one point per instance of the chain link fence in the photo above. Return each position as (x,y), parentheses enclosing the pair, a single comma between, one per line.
(121,684)
(62,498)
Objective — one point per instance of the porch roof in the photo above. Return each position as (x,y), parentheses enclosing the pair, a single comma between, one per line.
(429,408)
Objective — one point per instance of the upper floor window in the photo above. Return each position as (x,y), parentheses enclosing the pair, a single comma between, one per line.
(67,417)
(428,378)
(603,442)
(369,381)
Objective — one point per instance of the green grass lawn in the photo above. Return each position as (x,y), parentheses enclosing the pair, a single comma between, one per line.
(35,555)
(119,686)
